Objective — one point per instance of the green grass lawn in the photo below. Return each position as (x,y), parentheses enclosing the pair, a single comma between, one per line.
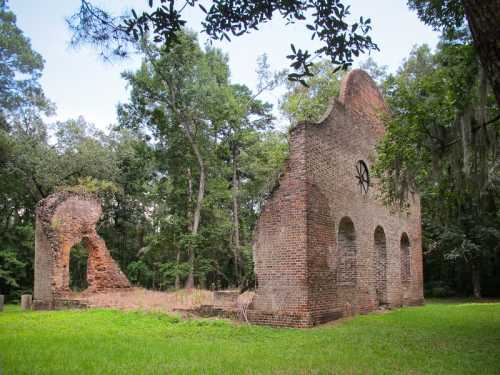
(453,338)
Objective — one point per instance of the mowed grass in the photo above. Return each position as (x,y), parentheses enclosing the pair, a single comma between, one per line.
(459,338)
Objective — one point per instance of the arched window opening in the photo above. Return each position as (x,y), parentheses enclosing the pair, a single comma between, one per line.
(347,250)
(380,245)
(78,258)
(405,259)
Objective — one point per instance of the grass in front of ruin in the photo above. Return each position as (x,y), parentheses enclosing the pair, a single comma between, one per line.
(439,338)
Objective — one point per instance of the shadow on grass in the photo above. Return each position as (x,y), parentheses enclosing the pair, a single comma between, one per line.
(460,300)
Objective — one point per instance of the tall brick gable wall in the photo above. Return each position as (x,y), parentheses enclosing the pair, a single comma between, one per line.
(322,247)
(62,221)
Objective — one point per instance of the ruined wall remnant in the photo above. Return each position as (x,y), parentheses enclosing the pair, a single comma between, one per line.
(63,220)
(325,246)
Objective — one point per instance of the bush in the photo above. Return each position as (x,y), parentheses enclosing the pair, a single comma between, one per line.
(438,289)
(11,271)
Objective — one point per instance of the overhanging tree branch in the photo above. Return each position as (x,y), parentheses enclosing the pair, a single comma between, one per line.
(341,40)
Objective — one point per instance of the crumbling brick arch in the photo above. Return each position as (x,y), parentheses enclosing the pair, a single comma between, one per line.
(61,281)
(405,259)
(99,264)
(62,221)
(380,266)
(347,250)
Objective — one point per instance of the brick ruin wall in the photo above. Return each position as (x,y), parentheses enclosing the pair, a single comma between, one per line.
(63,220)
(322,248)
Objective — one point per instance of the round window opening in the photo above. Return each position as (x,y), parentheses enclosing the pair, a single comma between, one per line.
(362,176)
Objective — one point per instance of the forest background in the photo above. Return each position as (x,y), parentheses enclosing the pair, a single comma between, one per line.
(184,172)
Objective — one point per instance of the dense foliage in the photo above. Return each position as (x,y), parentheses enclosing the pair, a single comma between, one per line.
(442,141)
(479,17)
(215,148)
(181,176)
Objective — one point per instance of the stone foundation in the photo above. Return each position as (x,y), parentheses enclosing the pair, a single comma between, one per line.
(226,299)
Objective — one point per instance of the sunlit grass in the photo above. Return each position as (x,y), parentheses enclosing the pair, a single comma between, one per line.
(434,339)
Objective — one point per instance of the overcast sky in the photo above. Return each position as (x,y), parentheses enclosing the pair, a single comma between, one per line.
(80,83)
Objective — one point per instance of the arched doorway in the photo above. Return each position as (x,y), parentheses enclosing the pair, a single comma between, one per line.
(78,261)
(405,259)
(380,259)
(347,251)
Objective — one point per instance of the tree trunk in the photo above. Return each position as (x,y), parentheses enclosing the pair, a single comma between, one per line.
(140,236)
(190,214)
(476,279)
(187,126)
(199,204)
(483,17)
(177,261)
(236,214)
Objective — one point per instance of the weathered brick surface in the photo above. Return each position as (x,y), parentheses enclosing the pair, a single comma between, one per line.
(322,247)
(62,221)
